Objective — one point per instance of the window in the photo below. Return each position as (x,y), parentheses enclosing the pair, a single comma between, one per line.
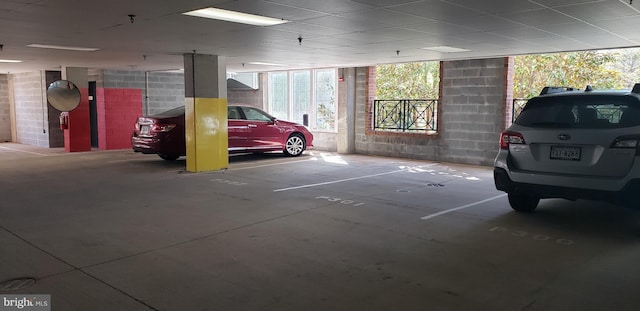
(407,97)
(301,89)
(253,114)
(581,111)
(325,106)
(312,92)
(278,95)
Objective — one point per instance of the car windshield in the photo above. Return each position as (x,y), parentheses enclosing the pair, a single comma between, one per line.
(581,111)
(175,112)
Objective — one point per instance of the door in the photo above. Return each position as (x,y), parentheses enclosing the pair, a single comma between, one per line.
(237,129)
(93,114)
(263,131)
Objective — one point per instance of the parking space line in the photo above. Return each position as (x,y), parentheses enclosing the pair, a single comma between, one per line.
(231,168)
(24,151)
(461,207)
(337,181)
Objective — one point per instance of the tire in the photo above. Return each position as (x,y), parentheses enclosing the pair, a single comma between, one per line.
(168,157)
(295,145)
(525,203)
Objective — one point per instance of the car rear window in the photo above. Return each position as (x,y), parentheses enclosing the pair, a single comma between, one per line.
(175,112)
(581,111)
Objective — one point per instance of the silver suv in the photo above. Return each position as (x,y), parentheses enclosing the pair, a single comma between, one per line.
(573,145)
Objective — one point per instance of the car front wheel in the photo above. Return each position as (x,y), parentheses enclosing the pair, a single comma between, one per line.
(294,146)
(523,202)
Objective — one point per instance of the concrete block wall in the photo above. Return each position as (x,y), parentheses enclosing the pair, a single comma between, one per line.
(393,144)
(31,108)
(5,109)
(470,115)
(253,98)
(123,79)
(165,89)
(118,110)
(474,95)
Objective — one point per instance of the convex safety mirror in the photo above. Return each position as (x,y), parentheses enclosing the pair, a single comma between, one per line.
(63,95)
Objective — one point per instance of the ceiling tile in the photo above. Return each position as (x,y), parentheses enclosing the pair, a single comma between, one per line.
(626,26)
(573,29)
(324,6)
(606,41)
(384,3)
(270,9)
(598,10)
(309,30)
(560,3)
(497,6)
(524,33)
(440,28)
(436,10)
(386,16)
(486,23)
(538,17)
(346,24)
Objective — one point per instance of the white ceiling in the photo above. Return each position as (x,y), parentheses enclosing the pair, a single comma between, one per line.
(335,33)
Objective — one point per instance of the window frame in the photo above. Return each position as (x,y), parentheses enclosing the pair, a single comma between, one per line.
(313,105)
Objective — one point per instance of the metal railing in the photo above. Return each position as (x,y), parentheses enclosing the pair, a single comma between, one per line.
(415,115)
(518,105)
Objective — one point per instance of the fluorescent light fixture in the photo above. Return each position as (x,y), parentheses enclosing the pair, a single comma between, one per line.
(266,64)
(236,17)
(61,47)
(10,61)
(446,49)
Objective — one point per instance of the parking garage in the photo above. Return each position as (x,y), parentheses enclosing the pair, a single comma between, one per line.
(367,220)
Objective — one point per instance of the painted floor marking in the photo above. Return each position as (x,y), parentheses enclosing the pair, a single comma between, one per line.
(231,168)
(337,181)
(461,207)
(24,151)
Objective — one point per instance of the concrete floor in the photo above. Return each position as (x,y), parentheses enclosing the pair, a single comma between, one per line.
(116,230)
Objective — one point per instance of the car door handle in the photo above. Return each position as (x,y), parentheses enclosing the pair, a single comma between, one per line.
(252,125)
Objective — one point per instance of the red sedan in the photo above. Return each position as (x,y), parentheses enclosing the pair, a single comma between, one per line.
(250,130)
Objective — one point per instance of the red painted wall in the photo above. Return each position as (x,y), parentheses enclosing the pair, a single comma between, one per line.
(78,136)
(118,111)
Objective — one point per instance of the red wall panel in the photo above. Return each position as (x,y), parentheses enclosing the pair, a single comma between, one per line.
(78,136)
(118,111)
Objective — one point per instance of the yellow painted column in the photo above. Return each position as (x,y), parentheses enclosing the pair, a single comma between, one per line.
(206,113)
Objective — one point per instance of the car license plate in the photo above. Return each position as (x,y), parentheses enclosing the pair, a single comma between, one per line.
(144,130)
(569,153)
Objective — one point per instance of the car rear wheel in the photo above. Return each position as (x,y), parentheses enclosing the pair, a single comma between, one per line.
(523,202)
(295,145)
(168,157)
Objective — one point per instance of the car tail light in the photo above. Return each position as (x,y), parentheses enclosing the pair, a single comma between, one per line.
(627,142)
(163,127)
(507,138)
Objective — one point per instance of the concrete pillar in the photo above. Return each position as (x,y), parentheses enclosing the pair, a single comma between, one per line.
(206,112)
(346,111)
(78,136)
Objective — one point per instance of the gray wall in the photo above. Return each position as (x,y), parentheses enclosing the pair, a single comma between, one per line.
(471,116)
(31,108)
(474,96)
(5,118)
(166,89)
(254,98)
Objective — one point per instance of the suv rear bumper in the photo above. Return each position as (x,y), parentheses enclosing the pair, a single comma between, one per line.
(627,195)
